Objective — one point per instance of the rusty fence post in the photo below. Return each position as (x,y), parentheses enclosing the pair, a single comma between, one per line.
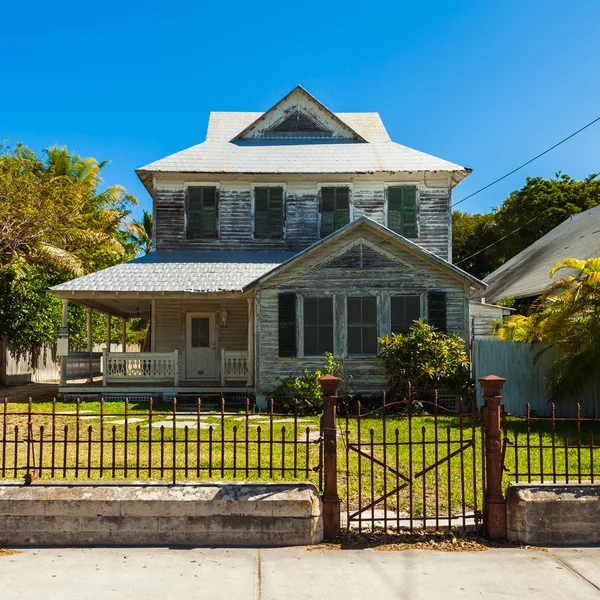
(494,502)
(331,500)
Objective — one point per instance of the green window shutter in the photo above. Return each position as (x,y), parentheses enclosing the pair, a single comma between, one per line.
(287,324)
(268,212)
(342,207)
(335,209)
(402,210)
(194,229)
(395,209)
(437,310)
(202,212)
(409,212)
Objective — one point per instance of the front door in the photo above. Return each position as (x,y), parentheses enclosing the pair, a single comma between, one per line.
(200,355)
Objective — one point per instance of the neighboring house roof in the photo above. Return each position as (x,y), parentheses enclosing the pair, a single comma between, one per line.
(359,143)
(202,271)
(387,233)
(528,273)
(179,272)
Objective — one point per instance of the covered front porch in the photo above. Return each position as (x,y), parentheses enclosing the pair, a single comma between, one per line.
(199,343)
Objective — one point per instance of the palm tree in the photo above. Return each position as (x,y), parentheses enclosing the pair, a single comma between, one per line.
(566,316)
(141,233)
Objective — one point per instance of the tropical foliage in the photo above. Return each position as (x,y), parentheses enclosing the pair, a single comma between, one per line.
(141,233)
(55,223)
(425,358)
(539,206)
(567,316)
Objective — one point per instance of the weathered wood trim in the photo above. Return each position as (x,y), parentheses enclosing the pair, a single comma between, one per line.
(299,326)
(339,328)
(384,314)
(153,326)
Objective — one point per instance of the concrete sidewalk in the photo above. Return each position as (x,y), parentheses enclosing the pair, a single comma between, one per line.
(273,574)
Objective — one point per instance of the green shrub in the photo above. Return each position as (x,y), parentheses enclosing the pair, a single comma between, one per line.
(307,388)
(427,359)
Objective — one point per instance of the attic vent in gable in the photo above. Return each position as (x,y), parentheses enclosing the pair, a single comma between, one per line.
(361,256)
(298,124)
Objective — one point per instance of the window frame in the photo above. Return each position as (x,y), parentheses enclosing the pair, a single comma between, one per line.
(319,297)
(320,202)
(283,187)
(404,295)
(362,325)
(186,221)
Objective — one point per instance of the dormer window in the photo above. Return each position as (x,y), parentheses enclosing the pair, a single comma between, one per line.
(297,123)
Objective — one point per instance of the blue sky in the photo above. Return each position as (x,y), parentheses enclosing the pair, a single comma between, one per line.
(484,84)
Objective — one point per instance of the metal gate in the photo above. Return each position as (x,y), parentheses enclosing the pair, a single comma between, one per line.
(412,464)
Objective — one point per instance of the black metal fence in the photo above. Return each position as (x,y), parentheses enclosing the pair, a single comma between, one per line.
(159,444)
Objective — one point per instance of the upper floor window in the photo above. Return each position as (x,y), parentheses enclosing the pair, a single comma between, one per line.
(202,212)
(405,311)
(335,209)
(362,325)
(268,212)
(402,210)
(318,326)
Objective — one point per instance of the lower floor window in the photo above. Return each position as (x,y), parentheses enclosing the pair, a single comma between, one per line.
(405,311)
(318,326)
(362,325)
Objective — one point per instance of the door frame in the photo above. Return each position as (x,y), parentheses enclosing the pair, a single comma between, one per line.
(212,343)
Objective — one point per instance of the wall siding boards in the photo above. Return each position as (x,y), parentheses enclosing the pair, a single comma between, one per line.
(312,277)
(170,323)
(301,217)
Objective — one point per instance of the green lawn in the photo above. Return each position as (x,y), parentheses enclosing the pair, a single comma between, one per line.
(233,447)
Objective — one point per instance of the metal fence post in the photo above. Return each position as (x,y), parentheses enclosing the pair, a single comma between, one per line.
(331,500)
(494,502)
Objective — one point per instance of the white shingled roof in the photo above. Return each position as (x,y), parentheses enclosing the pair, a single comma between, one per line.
(180,272)
(528,273)
(220,154)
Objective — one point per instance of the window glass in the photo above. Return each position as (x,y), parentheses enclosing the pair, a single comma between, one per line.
(405,311)
(318,326)
(362,325)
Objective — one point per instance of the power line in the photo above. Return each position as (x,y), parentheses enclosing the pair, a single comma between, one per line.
(503,237)
(485,187)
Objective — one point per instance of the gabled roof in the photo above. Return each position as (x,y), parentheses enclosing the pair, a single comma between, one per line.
(386,233)
(240,143)
(528,273)
(298,98)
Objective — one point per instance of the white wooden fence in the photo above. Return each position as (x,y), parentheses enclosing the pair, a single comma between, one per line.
(526,381)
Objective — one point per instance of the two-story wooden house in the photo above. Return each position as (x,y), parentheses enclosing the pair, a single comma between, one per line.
(286,234)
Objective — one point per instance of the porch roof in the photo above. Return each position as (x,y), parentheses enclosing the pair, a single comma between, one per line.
(200,272)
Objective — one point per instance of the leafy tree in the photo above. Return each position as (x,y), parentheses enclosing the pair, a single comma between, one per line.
(51,212)
(567,316)
(55,223)
(471,233)
(425,358)
(537,208)
(141,233)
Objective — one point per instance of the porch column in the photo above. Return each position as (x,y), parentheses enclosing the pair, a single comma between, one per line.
(108,318)
(90,345)
(63,323)
(250,341)
(124,333)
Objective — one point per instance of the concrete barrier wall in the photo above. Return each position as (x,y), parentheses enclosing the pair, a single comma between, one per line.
(156,514)
(547,514)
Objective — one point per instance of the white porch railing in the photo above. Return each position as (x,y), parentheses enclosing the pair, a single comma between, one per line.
(141,367)
(234,365)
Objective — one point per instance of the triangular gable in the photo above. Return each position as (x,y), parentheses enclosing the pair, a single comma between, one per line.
(362,255)
(391,236)
(298,115)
